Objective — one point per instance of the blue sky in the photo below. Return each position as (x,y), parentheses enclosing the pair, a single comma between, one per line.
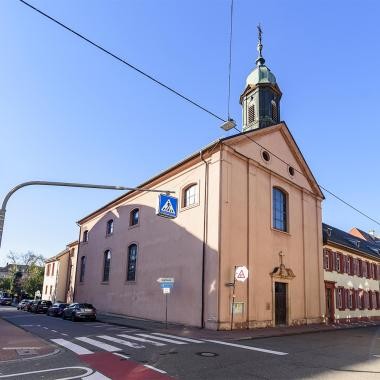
(69,112)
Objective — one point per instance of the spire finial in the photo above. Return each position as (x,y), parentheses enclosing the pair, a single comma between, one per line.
(260,59)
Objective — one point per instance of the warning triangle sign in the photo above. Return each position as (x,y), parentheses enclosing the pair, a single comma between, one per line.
(168,207)
(241,274)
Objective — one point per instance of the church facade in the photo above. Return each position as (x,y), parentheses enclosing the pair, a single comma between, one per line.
(245,200)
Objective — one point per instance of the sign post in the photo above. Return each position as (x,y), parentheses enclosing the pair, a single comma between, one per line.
(166,284)
(240,274)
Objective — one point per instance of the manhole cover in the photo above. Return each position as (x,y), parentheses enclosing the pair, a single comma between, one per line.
(26,351)
(207,354)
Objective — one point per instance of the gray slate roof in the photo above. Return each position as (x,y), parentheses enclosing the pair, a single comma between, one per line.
(342,238)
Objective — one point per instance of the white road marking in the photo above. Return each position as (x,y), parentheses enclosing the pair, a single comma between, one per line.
(154,368)
(95,376)
(121,355)
(376,356)
(251,348)
(63,334)
(54,330)
(72,346)
(96,343)
(21,348)
(28,325)
(45,328)
(88,371)
(163,339)
(180,338)
(121,341)
(142,340)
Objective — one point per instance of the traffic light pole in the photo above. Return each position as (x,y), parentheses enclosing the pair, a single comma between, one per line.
(65,184)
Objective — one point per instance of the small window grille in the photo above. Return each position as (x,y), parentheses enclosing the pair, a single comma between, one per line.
(251,113)
(274,111)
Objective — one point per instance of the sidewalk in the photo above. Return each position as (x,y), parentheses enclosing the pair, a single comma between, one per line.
(199,333)
(16,343)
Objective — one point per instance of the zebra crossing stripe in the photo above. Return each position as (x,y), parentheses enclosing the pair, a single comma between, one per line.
(142,340)
(163,339)
(251,348)
(72,346)
(179,337)
(121,341)
(96,343)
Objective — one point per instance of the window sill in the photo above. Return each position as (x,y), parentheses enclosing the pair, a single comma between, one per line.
(104,283)
(133,226)
(189,207)
(109,235)
(130,282)
(286,233)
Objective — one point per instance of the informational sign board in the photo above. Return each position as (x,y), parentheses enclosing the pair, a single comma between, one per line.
(165,279)
(241,273)
(166,285)
(167,206)
(37,293)
(166,290)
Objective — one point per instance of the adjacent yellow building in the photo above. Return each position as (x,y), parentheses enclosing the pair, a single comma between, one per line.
(351,274)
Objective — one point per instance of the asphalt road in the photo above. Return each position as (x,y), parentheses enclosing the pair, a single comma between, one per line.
(114,351)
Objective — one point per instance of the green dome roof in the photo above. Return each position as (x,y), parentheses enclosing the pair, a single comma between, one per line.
(261,74)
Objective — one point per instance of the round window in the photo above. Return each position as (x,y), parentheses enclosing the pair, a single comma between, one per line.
(291,171)
(266,156)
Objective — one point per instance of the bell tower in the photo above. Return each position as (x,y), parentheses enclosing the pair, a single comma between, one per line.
(261,97)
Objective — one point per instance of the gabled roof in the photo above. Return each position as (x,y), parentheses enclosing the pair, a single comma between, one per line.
(364,235)
(211,147)
(344,239)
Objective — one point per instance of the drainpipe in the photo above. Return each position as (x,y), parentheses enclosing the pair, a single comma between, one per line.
(205,215)
(76,266)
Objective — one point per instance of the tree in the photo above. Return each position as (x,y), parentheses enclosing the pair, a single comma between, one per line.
(34,280)
(27,272)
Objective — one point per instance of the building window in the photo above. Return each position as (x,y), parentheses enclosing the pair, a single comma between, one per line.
(326,260)
(280,210)
(85,236)
(82,268)
(251,114)
(109,228)
(350,299)
(190,195)
(338,262)
(52,269)
(377,300)
(274,111)
(339,298)
(360,299)
(106,265)
(348,264)
(51,289)
(46,288)
(48,270)
(134,217)
(131,265)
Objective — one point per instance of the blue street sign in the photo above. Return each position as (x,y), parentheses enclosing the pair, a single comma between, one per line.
(167,206)
(166,285)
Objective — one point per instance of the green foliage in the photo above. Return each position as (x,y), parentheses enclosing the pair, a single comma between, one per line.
(34,280)
(6,284)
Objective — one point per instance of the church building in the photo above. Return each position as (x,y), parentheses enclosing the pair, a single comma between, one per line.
(247,200)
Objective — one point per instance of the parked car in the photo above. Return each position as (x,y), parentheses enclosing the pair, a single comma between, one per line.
(22,303)
(57,309)
(40,306)
(28,305)
(6,301)
(78,311)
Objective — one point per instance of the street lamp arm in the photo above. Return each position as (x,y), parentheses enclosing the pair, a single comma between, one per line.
(65,184)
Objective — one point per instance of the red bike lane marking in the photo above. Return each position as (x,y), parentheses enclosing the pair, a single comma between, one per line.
(117,368)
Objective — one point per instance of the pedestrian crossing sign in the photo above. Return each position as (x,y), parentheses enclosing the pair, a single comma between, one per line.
(167,206)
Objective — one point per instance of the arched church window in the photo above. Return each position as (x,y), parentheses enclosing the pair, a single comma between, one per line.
(280,210)
(251,113)
(274,111)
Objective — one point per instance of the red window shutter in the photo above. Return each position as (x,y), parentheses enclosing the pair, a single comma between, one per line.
(378,300)
(342,263)
(360,268)
(352,271)
(369,300)
(344,298)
